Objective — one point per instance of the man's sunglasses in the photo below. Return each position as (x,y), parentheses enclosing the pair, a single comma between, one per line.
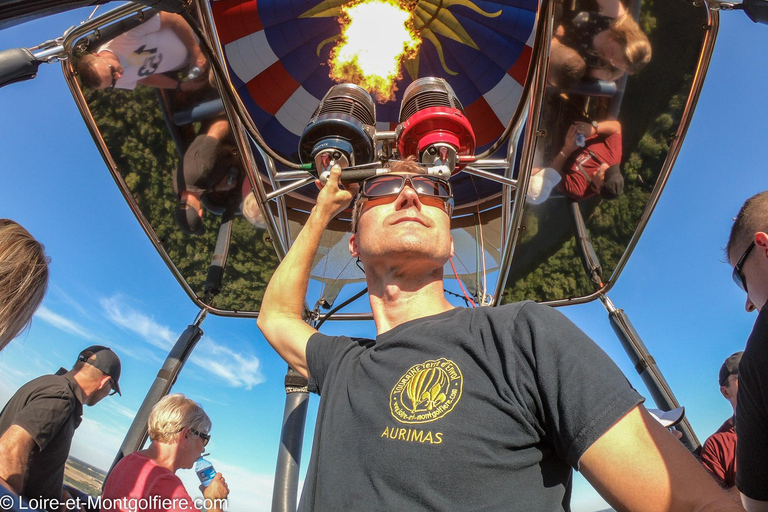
(738,277)
(113,72)
(114,387)
(204,437)
(427,187)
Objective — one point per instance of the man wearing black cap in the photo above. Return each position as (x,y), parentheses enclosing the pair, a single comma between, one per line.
(208,177)
(718,454)
(39,421)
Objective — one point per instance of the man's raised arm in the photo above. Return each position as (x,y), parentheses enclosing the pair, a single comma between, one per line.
(280,318)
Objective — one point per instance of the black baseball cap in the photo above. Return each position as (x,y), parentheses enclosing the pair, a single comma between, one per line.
(613,183)
(730,367)
(104,359)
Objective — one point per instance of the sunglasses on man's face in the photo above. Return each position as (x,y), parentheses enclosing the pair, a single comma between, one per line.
(114,387)
(738,276)
(204,437)
(431,190)
(113,72)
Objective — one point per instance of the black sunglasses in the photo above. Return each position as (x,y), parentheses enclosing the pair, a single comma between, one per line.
(114,387)
(204,437)
(738,277)
(112,71)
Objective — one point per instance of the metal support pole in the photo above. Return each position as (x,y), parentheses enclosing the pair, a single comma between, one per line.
(646,366)
(165,379)
(587,251)
(215,278)
(285,491)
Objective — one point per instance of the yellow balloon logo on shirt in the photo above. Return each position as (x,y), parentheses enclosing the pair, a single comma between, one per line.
(427,392)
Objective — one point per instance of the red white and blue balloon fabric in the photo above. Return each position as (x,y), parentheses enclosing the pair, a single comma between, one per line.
(277,54)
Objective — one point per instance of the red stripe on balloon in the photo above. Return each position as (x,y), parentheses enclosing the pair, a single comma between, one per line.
(485,123)
(519,69)
(272,88)
(236,19)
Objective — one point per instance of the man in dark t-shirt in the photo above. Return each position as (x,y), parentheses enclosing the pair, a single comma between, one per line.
(38,422)
(459,409)
(748,254)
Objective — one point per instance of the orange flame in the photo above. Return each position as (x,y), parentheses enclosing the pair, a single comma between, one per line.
(376,36)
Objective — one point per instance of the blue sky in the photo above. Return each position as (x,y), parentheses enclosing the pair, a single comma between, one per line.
(108,284)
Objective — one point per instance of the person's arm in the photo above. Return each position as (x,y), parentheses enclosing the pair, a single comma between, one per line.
(280,317)
(637,465)
(162,81)
(16,445)
(217,491)
(569,146)
(608,127)
(186,36)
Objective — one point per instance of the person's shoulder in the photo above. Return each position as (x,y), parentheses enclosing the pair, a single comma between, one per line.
(727,427)
(48,386)
(509,309)
(526,318)
(528,309)
(132,459)
(525,311)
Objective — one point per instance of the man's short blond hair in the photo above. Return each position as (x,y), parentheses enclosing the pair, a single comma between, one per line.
(23,278)
(752,218)
(172,414)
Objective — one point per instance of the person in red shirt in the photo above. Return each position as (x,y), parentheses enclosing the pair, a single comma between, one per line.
(595,167)
(582,171)
(718,455)
(145,480)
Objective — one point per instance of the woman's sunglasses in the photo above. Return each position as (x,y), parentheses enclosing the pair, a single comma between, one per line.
(204,437)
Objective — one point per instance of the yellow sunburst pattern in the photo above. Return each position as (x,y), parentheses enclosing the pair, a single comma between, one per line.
(428,18)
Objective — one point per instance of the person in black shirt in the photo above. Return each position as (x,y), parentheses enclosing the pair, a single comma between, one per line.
(748,254)
(38,423)
(460,409)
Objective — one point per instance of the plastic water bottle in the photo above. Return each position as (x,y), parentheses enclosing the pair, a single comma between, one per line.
(205,471)
(194,73)
(581,141)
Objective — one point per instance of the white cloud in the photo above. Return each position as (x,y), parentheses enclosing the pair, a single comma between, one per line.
(145,326)
(64,296)
(62,323)
(115,408)
(238,369)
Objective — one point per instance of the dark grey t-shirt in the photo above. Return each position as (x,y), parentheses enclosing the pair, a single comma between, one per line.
(752,413)
(482,409)
(49,411)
